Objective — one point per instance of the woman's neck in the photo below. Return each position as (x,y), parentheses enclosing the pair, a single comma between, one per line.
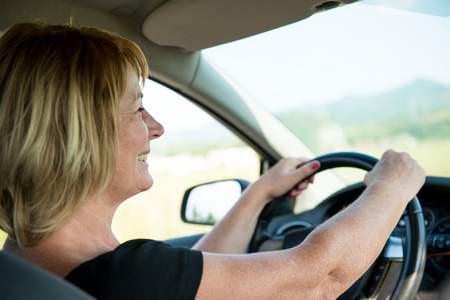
(83,237)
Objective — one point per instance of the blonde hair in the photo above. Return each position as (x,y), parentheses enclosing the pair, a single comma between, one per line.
(60,88)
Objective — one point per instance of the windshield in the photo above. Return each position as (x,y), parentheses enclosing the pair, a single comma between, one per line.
(361,77)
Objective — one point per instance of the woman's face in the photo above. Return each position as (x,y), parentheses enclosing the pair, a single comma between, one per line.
(137,129)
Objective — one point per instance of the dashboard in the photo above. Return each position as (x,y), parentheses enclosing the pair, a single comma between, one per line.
(435,201)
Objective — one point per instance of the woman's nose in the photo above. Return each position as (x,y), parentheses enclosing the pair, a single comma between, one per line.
(155,129)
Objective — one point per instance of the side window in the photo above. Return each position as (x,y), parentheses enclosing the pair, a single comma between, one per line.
(194,149)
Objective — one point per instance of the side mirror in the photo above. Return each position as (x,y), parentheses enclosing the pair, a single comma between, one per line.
(208,203)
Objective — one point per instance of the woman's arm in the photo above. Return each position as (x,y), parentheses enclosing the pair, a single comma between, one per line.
(233,233)
(333,256)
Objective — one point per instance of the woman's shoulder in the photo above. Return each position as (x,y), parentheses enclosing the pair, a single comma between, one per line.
(146,250)
(173,272)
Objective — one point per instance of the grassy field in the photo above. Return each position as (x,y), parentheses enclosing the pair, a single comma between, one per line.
(431,154)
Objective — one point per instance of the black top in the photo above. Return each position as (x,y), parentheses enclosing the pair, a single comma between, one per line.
(141,269)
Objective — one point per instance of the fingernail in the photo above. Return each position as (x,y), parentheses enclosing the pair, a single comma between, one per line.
(315,165)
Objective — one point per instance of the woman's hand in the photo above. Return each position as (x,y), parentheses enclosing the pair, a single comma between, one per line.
(233,233)
(397,173)
(285,176)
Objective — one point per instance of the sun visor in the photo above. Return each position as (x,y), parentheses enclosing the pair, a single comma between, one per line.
(198,24)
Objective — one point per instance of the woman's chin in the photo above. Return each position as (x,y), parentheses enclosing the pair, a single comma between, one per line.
(146,182)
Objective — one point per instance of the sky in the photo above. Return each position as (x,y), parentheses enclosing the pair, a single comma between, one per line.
(354,50)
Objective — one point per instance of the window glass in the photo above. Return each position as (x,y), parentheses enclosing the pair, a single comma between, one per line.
(194,149)
(363,77)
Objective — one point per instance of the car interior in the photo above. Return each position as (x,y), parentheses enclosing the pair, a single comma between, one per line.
(173,34)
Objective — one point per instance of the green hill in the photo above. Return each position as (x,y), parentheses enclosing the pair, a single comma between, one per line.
(421,109)
(416,100)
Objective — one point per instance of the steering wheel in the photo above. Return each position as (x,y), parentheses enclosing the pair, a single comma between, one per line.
(414,248)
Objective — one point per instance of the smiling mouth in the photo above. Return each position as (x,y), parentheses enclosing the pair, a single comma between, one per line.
(142,157)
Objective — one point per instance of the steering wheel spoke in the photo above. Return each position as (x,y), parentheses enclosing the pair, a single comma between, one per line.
(393,250)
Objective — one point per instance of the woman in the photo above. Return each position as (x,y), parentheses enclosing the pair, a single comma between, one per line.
(74,143)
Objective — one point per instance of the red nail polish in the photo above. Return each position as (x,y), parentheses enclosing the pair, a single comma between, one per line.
(315,165)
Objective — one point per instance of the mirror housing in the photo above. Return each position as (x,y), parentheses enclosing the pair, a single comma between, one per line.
(208,203)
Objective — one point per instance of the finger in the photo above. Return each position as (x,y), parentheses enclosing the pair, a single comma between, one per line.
(305,182)
(296,162)
(298,189)
(293,194)
(302,185)
(305,170)
(309,168)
